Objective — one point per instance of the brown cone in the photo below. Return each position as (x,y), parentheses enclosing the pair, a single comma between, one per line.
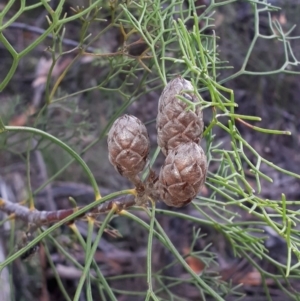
(183,174)
(175,124)
(128,145)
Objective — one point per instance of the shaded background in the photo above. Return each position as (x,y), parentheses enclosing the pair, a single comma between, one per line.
(80,118)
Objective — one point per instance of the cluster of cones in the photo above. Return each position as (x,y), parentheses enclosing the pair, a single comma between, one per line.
(179,132)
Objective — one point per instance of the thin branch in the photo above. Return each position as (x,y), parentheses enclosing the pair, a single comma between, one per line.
(38,218)
(37,30)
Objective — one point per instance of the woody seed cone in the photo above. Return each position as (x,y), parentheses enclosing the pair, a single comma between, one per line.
(128,145)
(183,174)
(175,124)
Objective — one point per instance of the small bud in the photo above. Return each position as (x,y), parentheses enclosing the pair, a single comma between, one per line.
(183,174)
(175,123)
(128,145)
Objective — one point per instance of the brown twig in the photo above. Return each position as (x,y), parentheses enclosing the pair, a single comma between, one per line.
(43,261)
(245,123)
(37,217)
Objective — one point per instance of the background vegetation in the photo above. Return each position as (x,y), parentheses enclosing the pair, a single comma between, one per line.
(70,69)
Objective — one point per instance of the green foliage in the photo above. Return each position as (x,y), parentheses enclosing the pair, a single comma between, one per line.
(169,47)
